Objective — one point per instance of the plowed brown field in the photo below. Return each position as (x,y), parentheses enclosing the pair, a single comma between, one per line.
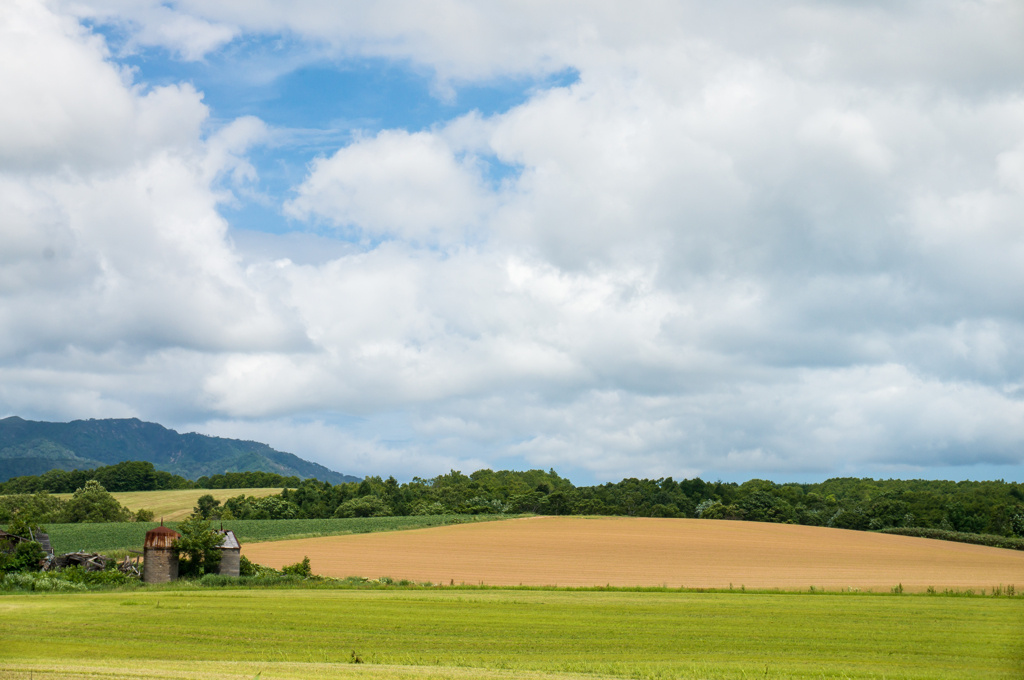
(576,551)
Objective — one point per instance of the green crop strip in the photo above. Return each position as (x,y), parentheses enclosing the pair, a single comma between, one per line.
(130,535)
(621,634)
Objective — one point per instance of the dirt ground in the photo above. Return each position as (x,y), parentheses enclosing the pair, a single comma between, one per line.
(578,551)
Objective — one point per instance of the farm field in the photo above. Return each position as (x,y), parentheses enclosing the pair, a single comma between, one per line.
(453,633)
(178,503)
(111,536)
(576,551)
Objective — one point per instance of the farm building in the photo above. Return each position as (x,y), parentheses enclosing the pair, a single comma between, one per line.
(160,559)
(34,536)
(230,554)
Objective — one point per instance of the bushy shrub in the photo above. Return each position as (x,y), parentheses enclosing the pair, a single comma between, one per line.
(959,537)
(39,582)
(24,556)
(301,569)
(215,580)
(246,567)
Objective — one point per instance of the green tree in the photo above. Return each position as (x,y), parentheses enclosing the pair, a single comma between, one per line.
(93,503)
(37,508)
(366,506)
(197,548)
(206,506)
(1017,522)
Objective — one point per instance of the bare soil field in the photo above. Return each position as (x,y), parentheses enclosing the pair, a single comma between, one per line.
(579,551)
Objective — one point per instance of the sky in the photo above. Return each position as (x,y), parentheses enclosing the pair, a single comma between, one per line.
(735,239)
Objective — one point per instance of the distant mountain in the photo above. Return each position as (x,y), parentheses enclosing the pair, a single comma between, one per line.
(29,447)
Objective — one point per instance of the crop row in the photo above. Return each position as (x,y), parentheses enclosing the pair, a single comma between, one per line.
(131,535)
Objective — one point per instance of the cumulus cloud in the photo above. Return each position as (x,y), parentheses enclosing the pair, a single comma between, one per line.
(410,186)
(731,246)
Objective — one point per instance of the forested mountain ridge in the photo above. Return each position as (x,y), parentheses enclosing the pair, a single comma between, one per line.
(30,447)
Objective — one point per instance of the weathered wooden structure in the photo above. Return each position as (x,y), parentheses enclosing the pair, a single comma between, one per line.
(33,536)
(88,561)
(160,560)
(230,554)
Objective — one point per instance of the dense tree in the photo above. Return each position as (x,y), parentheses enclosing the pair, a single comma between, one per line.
(197,548)
(37,508)
(206,506)
(994,507)
(126,476)
(93,503)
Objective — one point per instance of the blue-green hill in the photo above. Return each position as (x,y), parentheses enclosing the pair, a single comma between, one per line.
(30,447)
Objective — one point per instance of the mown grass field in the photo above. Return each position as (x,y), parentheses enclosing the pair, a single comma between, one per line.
(179,503)
(115,536)
(452,633)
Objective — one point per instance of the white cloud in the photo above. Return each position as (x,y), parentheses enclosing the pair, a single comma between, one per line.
(395,184)
(732,245)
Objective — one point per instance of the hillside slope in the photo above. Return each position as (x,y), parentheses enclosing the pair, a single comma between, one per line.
(30,447)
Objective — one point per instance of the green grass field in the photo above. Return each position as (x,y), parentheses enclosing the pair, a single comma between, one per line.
(120,536)
(442,633)
(179,503)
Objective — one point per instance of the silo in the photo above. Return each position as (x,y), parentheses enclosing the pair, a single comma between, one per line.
(230,554)
(160,559)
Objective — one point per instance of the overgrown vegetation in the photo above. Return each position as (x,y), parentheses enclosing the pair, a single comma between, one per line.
(197,548)
(1011,543)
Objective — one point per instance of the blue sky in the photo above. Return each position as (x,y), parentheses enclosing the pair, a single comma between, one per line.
(316,103)
(400,238)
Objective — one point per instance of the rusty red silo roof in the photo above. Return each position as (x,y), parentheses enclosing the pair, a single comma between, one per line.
(161,537)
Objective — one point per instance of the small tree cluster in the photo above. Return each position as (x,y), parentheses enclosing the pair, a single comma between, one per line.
(197,548)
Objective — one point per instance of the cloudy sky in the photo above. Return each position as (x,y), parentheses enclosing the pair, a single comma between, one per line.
(729,239)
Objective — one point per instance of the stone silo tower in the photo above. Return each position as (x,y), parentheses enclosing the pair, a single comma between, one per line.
(160,561)
(230,554)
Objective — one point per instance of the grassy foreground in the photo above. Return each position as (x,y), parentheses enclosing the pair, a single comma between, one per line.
(455,633)
(112,536)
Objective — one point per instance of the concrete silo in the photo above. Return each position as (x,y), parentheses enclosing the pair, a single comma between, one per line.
(160,560)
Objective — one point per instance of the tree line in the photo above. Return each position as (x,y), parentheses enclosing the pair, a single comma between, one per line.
(89,504)
(136,475)
(994,507)
(990,507)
